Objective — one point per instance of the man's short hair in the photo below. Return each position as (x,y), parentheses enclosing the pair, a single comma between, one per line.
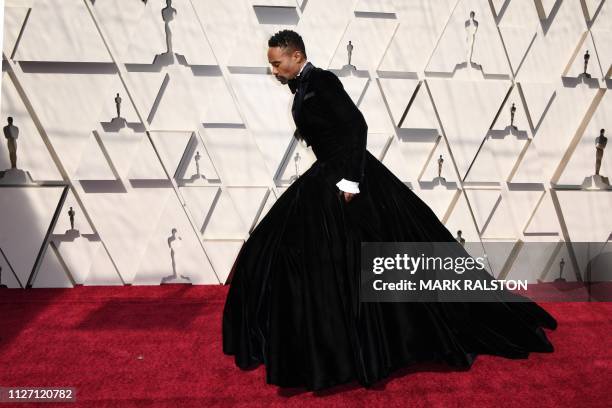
(288,39)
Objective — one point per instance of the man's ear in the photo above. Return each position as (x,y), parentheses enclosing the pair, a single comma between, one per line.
(297,55)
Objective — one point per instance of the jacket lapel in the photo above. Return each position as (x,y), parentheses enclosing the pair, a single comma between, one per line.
(298,98)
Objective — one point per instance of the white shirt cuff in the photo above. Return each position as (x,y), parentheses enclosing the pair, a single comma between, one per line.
(348,186)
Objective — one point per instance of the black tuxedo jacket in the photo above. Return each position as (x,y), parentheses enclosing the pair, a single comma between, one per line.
(329,121)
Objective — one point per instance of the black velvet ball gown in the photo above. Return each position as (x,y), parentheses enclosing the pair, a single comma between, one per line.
(293,303)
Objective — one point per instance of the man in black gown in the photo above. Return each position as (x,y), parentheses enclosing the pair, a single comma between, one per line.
(294,301)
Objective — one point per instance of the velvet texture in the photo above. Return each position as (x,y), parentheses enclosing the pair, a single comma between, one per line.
(293,303)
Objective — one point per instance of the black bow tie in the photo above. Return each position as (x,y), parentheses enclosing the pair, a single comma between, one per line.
(294,83)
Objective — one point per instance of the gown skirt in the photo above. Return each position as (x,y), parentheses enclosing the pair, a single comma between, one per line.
(293,302)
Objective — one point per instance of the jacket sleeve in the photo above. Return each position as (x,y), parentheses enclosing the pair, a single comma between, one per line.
(350,122)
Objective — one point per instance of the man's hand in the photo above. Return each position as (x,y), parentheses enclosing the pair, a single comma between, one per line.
(347,196)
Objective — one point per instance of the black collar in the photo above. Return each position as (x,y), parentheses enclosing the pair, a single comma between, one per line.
(294,83)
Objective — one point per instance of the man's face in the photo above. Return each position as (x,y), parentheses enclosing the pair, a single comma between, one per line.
(285,63)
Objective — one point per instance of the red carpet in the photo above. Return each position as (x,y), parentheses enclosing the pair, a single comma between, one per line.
(91,338)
